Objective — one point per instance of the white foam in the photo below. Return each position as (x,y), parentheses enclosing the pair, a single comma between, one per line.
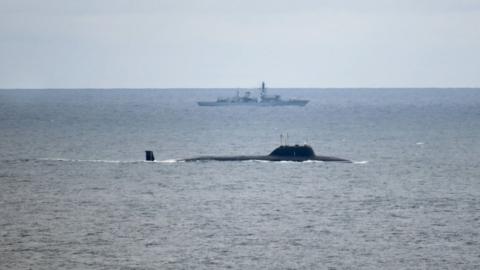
(167,161)
(360,162)
(313,161)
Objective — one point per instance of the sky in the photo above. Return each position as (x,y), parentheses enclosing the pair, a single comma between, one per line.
(239,43)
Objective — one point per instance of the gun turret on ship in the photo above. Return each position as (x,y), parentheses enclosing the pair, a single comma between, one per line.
(263,100)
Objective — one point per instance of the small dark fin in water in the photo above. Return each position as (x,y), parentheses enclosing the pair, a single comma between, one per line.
(149,156)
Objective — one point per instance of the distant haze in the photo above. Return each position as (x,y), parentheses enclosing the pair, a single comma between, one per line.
(239,43)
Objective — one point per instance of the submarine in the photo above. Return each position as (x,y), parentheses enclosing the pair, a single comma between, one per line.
(295,152)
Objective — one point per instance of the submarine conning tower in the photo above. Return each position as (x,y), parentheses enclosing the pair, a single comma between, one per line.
(293,151)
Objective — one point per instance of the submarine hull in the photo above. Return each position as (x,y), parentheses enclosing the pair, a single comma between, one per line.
(267,158)
(298,153)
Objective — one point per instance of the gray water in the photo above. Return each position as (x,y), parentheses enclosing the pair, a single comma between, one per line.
(75,193)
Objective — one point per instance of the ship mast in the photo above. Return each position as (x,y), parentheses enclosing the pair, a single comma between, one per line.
(264,91)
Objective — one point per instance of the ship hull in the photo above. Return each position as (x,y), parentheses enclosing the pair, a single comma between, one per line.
(300,103)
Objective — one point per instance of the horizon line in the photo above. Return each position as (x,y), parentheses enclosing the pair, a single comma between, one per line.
(225,88)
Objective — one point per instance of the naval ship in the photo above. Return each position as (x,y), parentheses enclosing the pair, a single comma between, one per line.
(263,100)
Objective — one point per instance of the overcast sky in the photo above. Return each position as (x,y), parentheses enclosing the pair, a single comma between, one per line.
(239,43)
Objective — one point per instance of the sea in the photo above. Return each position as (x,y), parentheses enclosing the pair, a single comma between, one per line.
(76,193)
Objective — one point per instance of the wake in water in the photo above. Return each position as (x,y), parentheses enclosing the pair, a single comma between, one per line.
(105,161)
(88,160)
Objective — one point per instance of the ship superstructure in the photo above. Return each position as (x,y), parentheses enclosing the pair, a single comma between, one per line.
(247,99)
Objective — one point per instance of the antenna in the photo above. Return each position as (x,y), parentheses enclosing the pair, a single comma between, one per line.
(263,92)
(286,140)
(281,139)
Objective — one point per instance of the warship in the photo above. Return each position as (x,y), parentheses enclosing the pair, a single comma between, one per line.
(247,99)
